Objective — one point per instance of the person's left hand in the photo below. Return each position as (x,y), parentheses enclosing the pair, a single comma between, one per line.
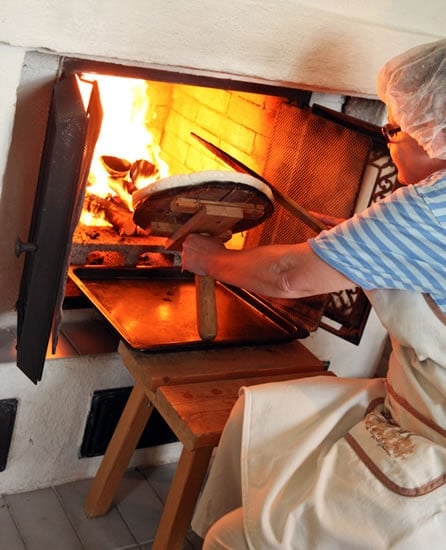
(198,251)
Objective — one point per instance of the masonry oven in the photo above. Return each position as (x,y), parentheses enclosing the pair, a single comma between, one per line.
(318,157)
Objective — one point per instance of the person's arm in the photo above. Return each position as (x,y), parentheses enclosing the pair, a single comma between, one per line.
(281,271)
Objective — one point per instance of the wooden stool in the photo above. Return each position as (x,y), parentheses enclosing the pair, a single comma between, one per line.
(194,392)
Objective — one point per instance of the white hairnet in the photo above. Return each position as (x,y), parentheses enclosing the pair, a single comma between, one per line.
(413,86)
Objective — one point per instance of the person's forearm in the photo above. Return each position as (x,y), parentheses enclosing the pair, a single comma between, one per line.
(256,270)
(282,271)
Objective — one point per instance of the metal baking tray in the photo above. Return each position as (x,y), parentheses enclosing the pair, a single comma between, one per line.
(153,309)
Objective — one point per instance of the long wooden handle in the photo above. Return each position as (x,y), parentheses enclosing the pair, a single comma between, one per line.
(206,307)
(211,219)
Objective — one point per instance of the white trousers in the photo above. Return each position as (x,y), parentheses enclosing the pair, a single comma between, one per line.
(225,473)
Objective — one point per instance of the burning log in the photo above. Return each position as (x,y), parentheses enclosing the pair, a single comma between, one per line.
(123,187)
(118,169)
(114,212)
(124,175)
(143,170)
(122,182)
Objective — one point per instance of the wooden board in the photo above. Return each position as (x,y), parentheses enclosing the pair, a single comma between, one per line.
(218,199)
(183,367)
(197,413)
(158,207)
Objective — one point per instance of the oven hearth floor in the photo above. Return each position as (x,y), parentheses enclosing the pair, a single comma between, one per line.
(84,332)
(53,518)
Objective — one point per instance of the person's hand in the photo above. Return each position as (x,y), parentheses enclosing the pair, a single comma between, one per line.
(198,251)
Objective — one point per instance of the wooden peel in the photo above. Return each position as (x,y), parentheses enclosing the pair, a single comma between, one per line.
(287,202)
(210,203)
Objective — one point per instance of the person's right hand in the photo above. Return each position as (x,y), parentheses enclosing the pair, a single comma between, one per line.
(198,251)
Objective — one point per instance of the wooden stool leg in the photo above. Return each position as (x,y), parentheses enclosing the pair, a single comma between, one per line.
(118,454)
(181,500)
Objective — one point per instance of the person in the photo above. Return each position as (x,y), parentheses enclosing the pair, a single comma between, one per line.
(339,463)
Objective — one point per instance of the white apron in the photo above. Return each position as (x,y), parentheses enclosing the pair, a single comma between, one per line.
(325,465)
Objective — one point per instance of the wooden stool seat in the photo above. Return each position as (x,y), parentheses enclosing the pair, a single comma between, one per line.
(183,367)
(197,413)
(194,391)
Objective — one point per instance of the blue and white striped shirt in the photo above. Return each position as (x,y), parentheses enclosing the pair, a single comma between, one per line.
(397,243)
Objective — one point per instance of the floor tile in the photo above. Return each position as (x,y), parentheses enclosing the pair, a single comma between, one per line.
(160,478)
(41,521)
(139,506)
(54,518)
(101,533)
(10,537)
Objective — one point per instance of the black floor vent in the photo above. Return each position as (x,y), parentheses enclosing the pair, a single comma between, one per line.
(105,411)
(8,409)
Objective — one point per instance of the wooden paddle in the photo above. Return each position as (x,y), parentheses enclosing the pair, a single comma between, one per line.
(287,202)
(209,203)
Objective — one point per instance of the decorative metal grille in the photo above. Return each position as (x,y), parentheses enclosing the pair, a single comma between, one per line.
(328,168)
(346,312)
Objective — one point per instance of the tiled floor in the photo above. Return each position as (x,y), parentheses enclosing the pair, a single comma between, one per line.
(53,518)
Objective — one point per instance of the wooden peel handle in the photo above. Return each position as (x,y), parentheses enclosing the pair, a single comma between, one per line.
(206,307)
(211,219)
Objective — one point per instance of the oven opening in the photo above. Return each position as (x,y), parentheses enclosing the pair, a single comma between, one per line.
(112,132)
(150,131)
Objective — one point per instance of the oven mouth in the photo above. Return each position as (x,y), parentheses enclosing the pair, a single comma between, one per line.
(72,132)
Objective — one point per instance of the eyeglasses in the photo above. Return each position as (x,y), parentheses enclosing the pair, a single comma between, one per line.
(389,130)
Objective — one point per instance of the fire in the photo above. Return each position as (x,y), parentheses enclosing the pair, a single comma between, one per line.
(126,156)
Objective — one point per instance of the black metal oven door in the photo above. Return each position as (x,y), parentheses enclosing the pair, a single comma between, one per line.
(73,128)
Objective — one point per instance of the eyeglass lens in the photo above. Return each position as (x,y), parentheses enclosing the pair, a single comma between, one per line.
(389,130)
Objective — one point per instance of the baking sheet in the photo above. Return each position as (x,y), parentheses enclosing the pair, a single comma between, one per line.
(154,309)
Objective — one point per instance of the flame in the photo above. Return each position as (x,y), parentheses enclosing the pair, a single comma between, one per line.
(125,135)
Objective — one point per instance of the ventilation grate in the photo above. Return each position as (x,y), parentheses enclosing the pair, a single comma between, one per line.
(8,409)
(106,409)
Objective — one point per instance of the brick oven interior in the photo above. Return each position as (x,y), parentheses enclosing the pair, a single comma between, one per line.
(261,126)
(240,122)
(274,132)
